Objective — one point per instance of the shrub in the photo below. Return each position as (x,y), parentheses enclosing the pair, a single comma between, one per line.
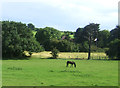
(55,53)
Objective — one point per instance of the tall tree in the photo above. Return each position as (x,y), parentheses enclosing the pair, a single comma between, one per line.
(90,33)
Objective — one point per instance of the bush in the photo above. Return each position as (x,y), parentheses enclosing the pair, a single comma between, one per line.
(55,53)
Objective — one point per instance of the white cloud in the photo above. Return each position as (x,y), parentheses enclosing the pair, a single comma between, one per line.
(77,12)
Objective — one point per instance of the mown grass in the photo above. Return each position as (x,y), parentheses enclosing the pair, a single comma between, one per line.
(53,72)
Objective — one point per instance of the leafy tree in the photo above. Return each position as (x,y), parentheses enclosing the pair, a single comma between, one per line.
(31,26)
(115,33)
(114,49)
(90,33)
(103,38)
(17,38)
(114,45)
(45,35)
(67,46)
(55,53)
(83,47)
(67,37)
(79,38)
(53,43)
(87,35)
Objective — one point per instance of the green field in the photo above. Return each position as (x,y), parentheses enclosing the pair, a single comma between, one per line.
(52,72)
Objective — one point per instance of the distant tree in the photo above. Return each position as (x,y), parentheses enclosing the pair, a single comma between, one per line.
(55,53)
(45,35)
(67,46)
(90,33)
(53,43)
(87,35)
(50,44)
(79,38)
(114,49)
(103,38)
(115,33)
(67,37)
(114,45)
(17,38)
(84,47)
(31,26)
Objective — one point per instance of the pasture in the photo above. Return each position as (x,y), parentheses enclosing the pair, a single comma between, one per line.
(53,72)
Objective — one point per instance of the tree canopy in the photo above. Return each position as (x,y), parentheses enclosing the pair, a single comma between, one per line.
(17,38)
(114,45)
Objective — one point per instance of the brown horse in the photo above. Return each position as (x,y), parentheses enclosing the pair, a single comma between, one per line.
(71,62)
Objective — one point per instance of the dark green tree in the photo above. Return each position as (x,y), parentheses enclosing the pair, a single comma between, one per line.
(67,46)
(103,37)
(31,26)
(85,35)
(90,33)
(17,38)
(45,35)
(114,49)
(79,38)
(114,45)
(115,33)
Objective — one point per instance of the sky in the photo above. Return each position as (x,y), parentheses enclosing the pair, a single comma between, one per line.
(64,15)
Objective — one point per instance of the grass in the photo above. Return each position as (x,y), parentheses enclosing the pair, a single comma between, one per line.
(52,72)
(68,55)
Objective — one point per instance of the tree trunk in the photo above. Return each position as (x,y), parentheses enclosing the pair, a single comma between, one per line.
(89,48)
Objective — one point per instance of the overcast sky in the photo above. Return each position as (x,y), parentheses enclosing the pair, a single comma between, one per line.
(65,15)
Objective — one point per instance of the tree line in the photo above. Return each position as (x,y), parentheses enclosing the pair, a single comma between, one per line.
(18,37)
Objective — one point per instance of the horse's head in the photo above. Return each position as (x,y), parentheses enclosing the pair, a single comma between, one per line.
(74,65)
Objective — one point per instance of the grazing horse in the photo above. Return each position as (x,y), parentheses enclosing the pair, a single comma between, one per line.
(71,62)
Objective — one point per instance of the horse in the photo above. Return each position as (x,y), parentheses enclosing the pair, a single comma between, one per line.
(71,62)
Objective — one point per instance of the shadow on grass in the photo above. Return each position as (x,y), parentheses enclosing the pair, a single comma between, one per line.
(28,58)
(16,58)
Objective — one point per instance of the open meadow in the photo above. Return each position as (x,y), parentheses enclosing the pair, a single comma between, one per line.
(53,72)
